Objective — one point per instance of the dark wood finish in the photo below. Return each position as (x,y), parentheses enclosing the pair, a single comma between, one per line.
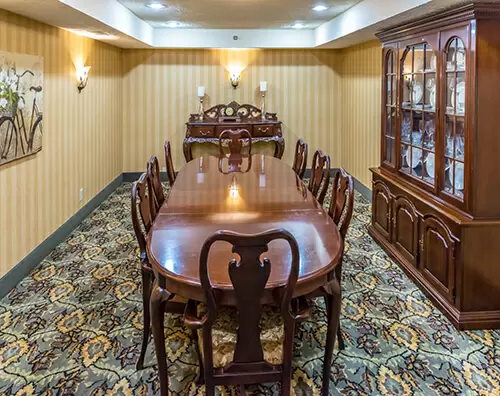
(248,276)
(381,209)
(140,199)
(215,121)
(156,195)
(169,163)
(448,242)
(201,209)
(196,210)
(300,158)
(236,140)
(342,201)
(405,228)
(341,209)
(320,175)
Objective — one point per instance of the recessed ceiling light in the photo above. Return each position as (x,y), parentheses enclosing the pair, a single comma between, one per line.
(173,24)
(298,25)
(320,7)
(155,6)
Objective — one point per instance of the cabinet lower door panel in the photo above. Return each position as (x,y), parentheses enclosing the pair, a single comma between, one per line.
(381,209)
(405,230)
(438,255)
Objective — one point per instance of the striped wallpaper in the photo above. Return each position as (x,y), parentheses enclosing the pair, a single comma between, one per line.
(82,136)
(136,99)
(160,91)
(359,133)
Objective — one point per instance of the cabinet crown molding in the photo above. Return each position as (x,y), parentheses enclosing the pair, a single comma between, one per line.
(468,12)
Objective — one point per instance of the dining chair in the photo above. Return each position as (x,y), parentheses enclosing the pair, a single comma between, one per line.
(250,343)
(340,210)
(300,159)
(236,139)
(156,196)
(320,175)
(169,164)
(141,214)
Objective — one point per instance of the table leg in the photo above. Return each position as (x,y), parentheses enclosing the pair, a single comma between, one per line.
(159,298)
(333,304)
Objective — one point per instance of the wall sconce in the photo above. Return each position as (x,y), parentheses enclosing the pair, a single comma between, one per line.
(235,79)
(235,76)
(82,75)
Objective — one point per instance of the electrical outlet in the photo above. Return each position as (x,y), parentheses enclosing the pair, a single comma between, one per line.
(81,194)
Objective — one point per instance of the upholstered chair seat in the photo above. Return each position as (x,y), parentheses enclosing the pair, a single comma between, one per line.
(225,328)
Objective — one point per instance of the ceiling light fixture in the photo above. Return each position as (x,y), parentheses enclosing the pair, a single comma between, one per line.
(155,6)
(172,24)
(298,25)
(320,7)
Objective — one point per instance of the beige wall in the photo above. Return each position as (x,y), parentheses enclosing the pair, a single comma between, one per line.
(359,133)
(138,98)
(329,98)
(159,89)
(82,146)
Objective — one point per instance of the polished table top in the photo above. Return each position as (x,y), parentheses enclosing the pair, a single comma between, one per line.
(265,195)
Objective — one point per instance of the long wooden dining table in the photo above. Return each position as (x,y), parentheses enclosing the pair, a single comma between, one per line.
(265,194)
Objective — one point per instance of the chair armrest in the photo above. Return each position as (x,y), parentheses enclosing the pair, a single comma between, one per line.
(191,319)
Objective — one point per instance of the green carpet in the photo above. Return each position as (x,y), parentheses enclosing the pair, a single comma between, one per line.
(74,326)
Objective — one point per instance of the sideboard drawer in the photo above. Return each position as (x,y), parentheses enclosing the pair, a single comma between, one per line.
(205,131)
(263,130)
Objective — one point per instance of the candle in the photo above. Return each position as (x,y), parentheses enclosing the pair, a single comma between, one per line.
(201,92)
(263,86)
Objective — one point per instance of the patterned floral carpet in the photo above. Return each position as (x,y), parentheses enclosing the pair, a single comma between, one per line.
(73,327)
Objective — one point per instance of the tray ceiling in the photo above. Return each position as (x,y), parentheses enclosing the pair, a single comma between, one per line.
(237,14)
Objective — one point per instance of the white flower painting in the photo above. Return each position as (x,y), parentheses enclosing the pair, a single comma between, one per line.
(21,104)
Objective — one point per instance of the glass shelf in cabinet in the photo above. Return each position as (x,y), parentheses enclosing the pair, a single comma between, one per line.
(449,112)
(419,73)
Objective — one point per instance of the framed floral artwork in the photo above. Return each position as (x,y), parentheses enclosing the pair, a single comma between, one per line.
(21,104)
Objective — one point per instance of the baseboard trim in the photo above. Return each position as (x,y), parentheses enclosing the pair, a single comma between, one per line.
(33,259)
(358,186)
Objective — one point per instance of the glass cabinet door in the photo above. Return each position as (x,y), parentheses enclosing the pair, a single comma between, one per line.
(390,109)
(418,113)
(454,122)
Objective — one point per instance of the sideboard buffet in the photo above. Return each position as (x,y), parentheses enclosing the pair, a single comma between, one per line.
(436,193)
(207,127)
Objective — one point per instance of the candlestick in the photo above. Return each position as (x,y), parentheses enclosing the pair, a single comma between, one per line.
(201,111)
(201,92)
(263,86)
(263,105)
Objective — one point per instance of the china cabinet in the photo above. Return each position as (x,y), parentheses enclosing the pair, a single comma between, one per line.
(436,194)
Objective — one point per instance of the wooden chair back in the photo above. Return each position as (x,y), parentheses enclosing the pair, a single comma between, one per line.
(236,139)
(249,277)
(300,159)
(140,200)
(169,163)
(156,195)
(342,202)
(320,175)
